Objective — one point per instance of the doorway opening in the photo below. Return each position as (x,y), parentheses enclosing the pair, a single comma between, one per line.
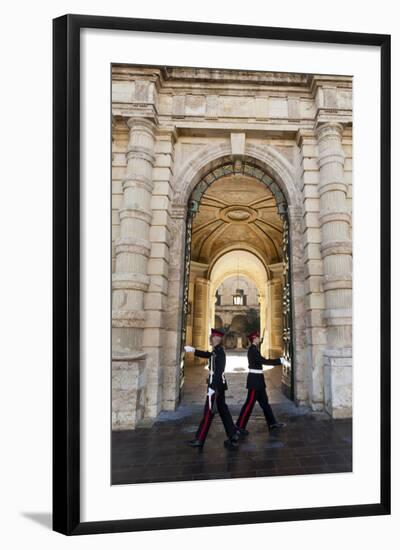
(237,272)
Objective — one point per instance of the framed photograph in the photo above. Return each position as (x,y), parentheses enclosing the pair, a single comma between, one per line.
(221,274)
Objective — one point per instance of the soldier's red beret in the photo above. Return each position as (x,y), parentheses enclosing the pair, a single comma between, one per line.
(253,335)
(216,332)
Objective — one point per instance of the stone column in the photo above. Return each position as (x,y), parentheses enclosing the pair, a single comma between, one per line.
(130,280)
(189,357)
(336,251)
(201,315)
(275,307)
(155,300)
(270,297)
(132,247)
(264,325)
(212,300)
(313,267)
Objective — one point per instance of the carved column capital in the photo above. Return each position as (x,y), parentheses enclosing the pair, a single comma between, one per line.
(329,130)
(142,123)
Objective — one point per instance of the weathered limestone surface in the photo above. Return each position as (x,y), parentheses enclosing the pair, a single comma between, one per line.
(336,250)
(313,266)
(128,390)
(155,301)
(171,128)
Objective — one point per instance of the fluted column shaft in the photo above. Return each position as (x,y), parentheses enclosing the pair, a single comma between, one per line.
(132,248)
(336,249)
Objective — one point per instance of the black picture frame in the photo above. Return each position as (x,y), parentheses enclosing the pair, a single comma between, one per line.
(66,273)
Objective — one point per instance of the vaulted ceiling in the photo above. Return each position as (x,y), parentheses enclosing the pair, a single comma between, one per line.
(237,210)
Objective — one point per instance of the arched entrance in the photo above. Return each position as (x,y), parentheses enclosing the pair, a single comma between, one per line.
(237,214)
(244,269)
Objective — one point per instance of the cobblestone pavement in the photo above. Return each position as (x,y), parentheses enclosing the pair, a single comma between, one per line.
(311,443)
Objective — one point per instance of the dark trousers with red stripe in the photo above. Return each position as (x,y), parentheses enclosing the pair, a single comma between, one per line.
(208,415)
(252,397)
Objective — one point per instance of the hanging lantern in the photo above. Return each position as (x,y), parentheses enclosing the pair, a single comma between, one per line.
(238,297)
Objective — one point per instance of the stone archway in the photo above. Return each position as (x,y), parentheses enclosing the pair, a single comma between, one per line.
(252,268)
(267,158)
(268,163)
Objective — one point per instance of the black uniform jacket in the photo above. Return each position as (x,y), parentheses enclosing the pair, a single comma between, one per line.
(216,365)
(256,361)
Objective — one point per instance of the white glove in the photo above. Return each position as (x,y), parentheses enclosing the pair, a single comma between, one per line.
(209,396)
(285,362)
(189,348)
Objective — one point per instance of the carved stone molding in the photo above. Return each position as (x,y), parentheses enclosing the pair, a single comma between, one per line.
(122,318)
(130,281)
(336,247)
(132,245)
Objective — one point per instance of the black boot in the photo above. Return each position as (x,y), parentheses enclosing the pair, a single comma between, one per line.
(232,443)
(276,425)
(196,443)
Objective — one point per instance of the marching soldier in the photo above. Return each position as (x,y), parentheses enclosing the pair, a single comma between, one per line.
(256,387)
(217,386)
